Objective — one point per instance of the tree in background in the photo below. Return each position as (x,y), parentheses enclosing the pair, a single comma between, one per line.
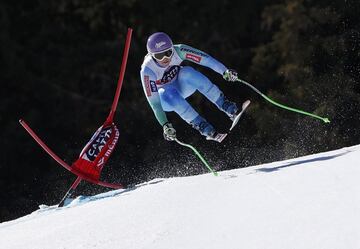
(311,61)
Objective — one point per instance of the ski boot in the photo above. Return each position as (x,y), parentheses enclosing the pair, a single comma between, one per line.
(207,130)
(227,106)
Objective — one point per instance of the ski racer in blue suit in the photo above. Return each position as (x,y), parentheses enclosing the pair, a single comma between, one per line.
(167,84)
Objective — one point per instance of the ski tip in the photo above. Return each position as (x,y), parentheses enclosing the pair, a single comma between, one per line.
(246,104)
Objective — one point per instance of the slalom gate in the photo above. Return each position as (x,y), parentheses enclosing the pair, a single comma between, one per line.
(97,151)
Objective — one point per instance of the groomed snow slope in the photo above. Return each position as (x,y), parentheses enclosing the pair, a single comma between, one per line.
(311,202)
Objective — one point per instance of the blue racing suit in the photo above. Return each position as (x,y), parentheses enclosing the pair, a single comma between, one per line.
(166,88)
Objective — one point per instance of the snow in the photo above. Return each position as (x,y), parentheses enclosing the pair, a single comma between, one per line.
(309,202)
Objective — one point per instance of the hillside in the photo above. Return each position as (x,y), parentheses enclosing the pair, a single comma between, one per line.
(308,202)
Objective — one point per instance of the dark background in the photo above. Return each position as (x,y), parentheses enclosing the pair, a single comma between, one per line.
(59,63)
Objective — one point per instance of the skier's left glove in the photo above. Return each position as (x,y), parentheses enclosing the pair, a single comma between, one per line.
(169,132)
(230,75)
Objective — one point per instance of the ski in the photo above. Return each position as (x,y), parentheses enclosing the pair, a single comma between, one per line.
(219,137)
(237,118)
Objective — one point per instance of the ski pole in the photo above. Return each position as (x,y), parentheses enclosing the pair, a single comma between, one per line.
(199,156)
(326,120)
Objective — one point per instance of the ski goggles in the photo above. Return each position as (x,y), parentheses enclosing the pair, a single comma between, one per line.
(162,55)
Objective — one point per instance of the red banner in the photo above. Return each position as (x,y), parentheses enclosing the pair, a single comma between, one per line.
(97,151)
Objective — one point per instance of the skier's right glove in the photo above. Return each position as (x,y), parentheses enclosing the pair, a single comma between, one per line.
(169,132)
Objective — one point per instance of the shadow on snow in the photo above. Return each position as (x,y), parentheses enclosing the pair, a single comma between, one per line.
(299,162)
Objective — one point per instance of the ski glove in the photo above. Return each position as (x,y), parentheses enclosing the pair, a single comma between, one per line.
(230,75)
(169,132)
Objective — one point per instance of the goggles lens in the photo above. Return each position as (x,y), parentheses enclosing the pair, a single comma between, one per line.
(160,56)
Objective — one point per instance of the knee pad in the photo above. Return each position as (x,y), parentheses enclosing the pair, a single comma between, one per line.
(171,100)
(169,96)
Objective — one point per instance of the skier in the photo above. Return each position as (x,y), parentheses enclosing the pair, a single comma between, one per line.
(167,84)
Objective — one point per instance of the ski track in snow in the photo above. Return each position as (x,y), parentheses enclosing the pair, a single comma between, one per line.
(309,202)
